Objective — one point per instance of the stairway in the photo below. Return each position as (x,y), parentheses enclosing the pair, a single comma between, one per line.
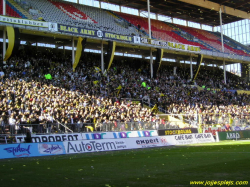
(20,9)
(187,33)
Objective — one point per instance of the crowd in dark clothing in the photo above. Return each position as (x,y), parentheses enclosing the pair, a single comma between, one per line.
(89,96)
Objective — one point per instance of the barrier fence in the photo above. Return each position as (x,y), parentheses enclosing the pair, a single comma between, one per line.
(208,119)
(70,144)
(88,127)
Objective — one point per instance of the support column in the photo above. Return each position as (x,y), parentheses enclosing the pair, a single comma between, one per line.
(73,50)
(224,68)
(248,73)
(149,33)
(4,42)
(191,67)
(149,21)
(63,49)
(4,31)
(102,59)
(151,62)
(222,46)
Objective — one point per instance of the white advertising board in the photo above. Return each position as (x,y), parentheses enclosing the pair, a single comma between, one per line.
(51,138)
(184,139)
(85,146)
(143,142)
(118,135)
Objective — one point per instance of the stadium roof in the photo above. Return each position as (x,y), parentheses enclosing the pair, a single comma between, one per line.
(200,11)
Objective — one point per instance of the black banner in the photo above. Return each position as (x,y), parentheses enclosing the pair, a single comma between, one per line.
(94,33)
(198,65)
(165,132)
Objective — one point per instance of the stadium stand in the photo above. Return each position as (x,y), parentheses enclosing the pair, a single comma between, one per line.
(11,10)
(77,15)
(77,99)
(28,98)
(212,40)
(121,23)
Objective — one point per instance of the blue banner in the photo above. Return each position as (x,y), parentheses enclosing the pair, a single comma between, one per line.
(94,33)
(31,149)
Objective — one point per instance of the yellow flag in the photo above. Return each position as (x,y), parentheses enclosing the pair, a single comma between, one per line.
(90,128)
(78,53)
(11,38)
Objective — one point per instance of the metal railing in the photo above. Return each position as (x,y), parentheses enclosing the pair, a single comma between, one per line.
(89,127)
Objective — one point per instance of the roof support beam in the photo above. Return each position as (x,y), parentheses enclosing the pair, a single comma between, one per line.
(215,6)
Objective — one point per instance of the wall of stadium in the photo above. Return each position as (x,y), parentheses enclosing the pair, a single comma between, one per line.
(96,145)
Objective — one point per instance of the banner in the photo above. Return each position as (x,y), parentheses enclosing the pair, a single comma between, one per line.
(146,142)
(31,150)
(87,136)
(170,45)
(160,51)
(11,38)
(17,42)
(93,33)
(78,53)
(165,132)
(51,138)
(213,130)
(51,148)
(233,135)
(110,53)
(157,64)
(198,65)
(184,139)
(86,146)
(119,37)
(19,21)
(96,145)
(117,135)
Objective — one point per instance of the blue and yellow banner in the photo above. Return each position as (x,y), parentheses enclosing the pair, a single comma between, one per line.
(94,33)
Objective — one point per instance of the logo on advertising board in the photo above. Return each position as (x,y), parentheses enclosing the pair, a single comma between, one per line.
(19,151)
(51,138)
(247,128)
(94,146)
(204,138)
(90,136)
(152,142)
(134,134)
(233,135)
(165,132)
(184,139)
(99,34)
(50,149)
(118,135)
(164,141)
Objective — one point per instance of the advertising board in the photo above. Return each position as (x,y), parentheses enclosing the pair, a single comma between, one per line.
(143,142)
(85,146)
(233,135)
(51,138)
(31,149)
(184,139)
(213,130)
(117,135)
(164,132)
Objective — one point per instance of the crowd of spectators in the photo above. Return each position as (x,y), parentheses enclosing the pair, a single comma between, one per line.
(87,96)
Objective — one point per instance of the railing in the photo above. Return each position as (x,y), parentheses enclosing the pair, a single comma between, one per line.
(133,126)
(89,127)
